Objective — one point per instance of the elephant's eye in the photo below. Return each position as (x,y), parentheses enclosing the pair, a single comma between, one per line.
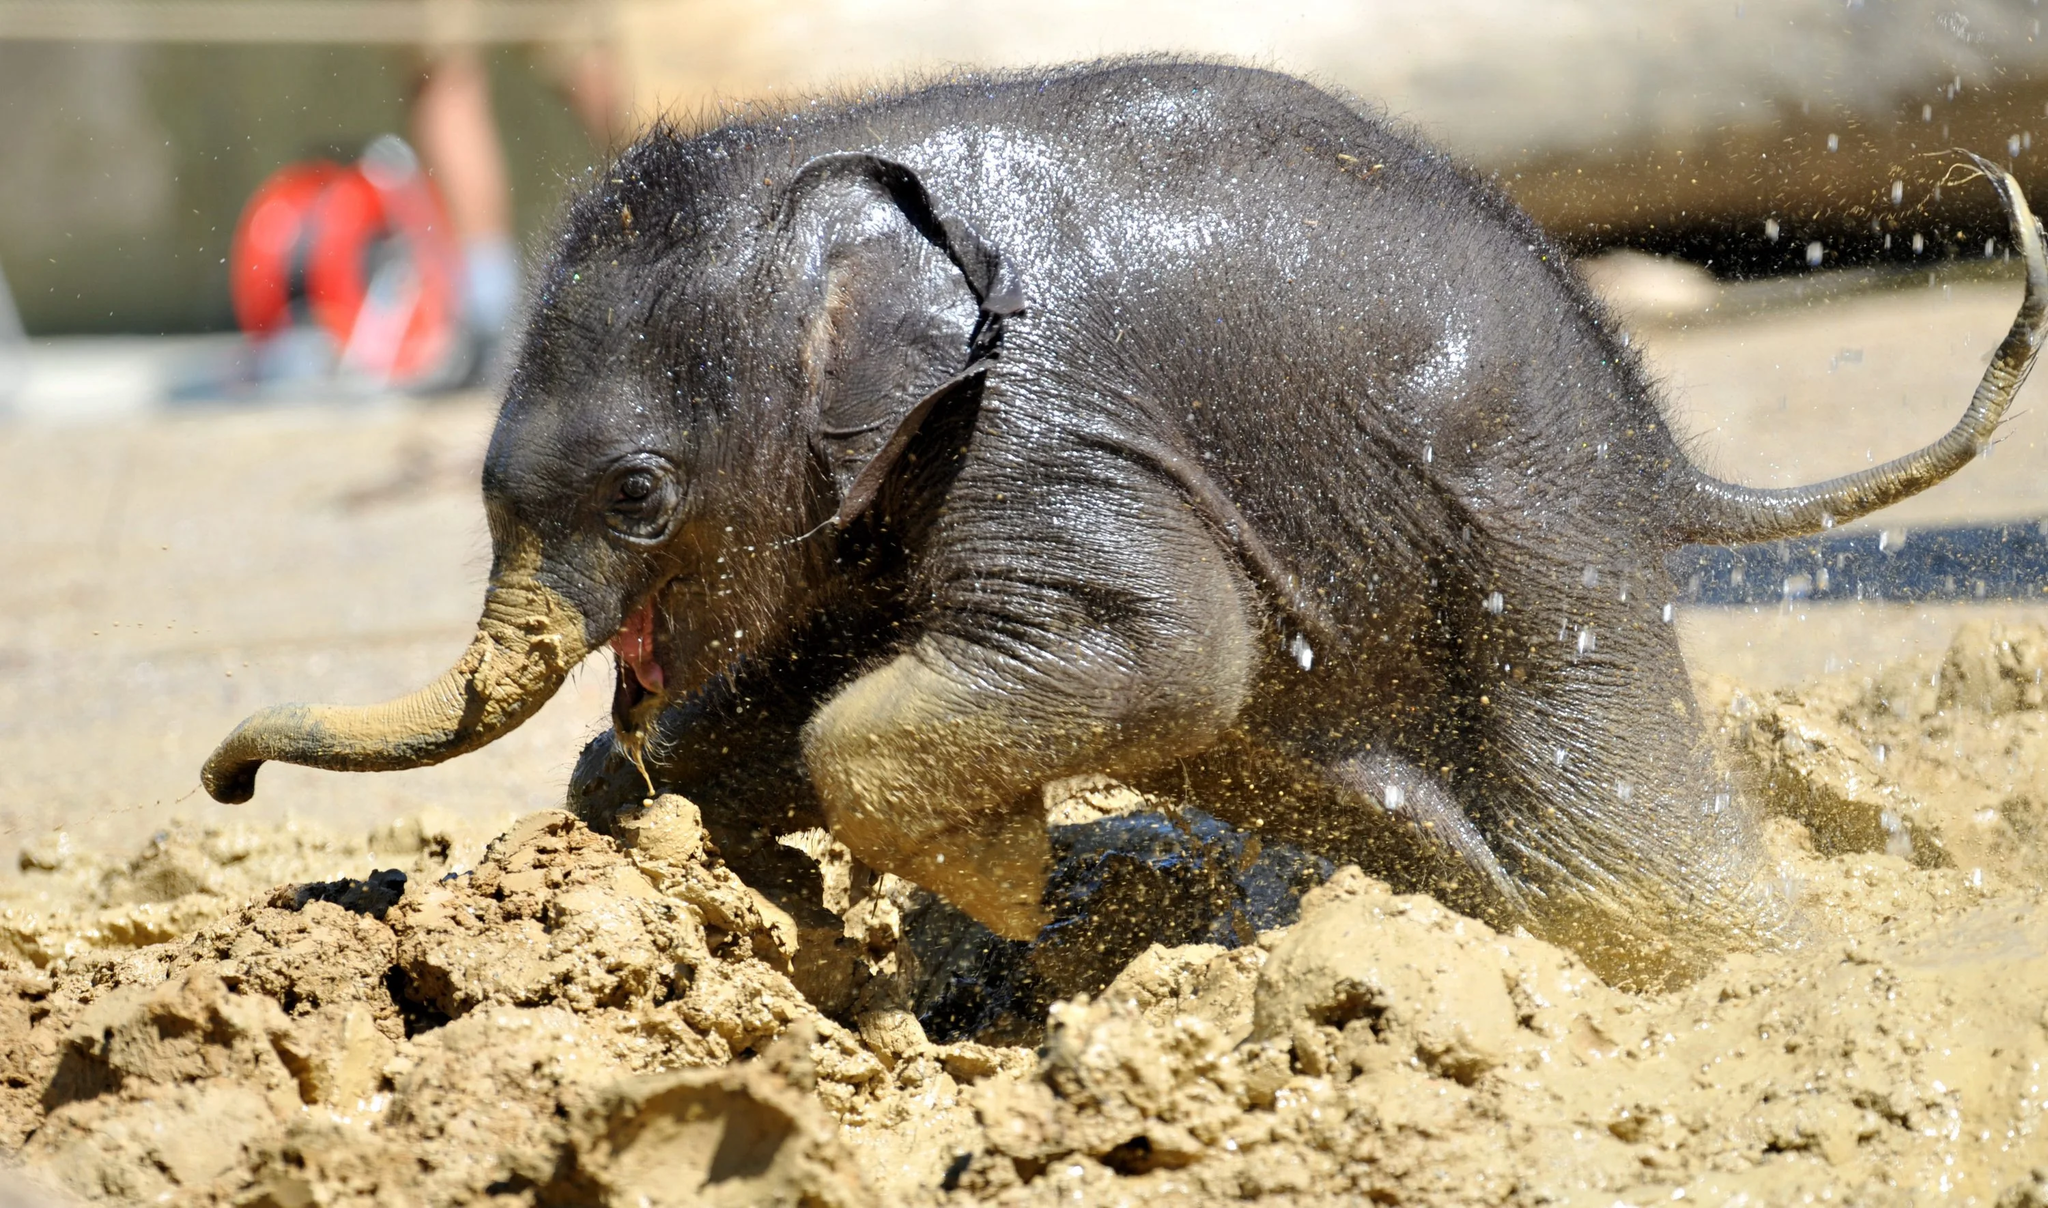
(639,500)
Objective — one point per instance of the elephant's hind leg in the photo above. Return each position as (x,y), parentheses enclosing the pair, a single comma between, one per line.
(1417,813)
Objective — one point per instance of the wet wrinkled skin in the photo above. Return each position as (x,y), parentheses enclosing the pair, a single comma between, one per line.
(1168,421)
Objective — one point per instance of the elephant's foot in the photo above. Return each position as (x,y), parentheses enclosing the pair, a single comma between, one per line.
(923,777)
(605,781)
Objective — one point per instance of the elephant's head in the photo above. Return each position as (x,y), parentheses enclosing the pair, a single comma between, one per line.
(720,368)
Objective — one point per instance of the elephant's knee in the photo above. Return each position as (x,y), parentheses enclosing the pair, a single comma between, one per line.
(900,743)
(918,789)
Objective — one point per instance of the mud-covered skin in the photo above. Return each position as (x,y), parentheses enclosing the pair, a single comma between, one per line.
(1170,421)
(1290,399)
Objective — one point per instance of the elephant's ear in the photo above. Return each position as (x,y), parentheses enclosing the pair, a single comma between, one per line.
(906,305)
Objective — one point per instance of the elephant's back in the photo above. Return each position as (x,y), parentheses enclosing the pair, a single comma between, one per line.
(1368,349)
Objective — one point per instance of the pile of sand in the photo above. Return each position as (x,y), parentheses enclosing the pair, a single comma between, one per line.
(569,1017)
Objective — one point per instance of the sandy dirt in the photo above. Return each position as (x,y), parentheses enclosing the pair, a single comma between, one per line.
(169,576)
(430,987)
(569,1017)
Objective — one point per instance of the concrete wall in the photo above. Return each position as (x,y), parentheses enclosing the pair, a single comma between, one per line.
(123,168)
(1681,126)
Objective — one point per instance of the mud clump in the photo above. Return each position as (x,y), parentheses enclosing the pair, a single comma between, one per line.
(71,902)
(726,1138)
(481,1038)
(1938,761)
(1398,1053)
(568,1017)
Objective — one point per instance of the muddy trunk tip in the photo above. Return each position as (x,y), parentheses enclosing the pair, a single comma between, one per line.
(526,642)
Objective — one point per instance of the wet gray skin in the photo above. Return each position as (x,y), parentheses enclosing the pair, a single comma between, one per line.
(1167,420)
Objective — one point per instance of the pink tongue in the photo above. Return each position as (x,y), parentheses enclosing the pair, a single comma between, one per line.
(635,647)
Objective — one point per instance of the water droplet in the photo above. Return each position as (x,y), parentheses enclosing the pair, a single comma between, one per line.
(1670,611)
(1896,842)
(1428,453)
(1898,191)
(1882,752)
(1495,604)
(1827,520)
(1587,644)
(1814,251)
(1303,653)
(1919,243)
(1834,142)
(1625,791)
(1558,758)
(1771,229)
(1590,576)
(1926,113)
(1721,802)
(1393,797)
(2012,146)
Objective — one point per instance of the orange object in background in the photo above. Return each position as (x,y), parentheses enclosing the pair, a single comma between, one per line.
(363,252)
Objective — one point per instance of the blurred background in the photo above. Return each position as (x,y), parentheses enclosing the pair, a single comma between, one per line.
(135,130)
(198,521)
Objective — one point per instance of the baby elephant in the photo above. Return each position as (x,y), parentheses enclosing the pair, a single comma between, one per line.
(1165,420)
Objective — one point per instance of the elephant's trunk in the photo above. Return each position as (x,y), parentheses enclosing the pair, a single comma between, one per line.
(526,642)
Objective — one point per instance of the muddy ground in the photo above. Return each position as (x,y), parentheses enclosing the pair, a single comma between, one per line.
(429,987)
(564,1016)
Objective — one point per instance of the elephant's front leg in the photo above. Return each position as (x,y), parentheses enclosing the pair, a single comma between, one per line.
(933,766)
(733,748)
(735,751)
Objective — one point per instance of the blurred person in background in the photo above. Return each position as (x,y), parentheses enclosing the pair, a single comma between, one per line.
(13,366)
(457,136)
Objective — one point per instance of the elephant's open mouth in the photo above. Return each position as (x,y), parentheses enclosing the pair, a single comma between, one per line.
(641,683)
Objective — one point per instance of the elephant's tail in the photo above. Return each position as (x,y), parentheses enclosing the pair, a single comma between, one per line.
(1725,513)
